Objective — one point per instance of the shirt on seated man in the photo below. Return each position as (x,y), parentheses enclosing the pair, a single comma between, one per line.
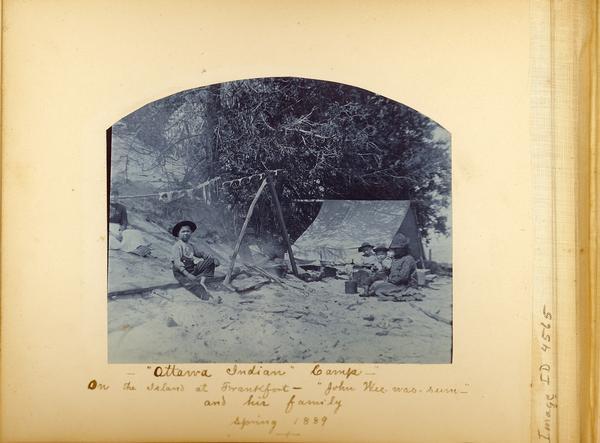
(368,259)
(188,260)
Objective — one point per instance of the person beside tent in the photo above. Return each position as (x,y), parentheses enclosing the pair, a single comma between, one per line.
(384,261)
(402,268)
(121,236)
(367,259)
(390,254)
(340,224)
(364,266)
(400,280)
(382,267)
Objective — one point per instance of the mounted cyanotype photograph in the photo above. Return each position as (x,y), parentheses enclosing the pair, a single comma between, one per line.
(279,220)
(255,210)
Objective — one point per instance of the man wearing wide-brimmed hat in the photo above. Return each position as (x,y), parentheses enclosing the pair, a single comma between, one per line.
(186,258)
(367,259)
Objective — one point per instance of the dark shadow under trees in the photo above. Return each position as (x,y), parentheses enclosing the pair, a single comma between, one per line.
(334,141)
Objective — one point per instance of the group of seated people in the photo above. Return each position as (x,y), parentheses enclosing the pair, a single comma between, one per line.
(385,270)
(381,271)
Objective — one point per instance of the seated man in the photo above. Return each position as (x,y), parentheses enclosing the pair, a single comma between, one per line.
(367,259)
(186,258)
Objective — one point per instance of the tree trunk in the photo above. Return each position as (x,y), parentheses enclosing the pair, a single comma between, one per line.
(213,109)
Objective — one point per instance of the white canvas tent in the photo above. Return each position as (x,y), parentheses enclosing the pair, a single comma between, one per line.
(342,225)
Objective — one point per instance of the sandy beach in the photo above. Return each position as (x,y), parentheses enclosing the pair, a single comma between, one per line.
(317,322)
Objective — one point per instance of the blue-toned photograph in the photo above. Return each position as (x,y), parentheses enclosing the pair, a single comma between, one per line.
(279,220)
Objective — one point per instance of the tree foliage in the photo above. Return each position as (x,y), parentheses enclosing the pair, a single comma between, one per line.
(334,141)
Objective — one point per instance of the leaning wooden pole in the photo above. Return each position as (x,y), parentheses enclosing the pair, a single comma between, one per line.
(284,232)
(243,231)
(421,250)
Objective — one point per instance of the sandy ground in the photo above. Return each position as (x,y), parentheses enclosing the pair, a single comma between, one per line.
(128,271)
(295,322)
(310,322)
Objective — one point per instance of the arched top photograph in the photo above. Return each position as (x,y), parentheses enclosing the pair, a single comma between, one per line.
(271,217)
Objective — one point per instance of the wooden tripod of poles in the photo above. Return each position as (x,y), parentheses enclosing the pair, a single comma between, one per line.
(268,181)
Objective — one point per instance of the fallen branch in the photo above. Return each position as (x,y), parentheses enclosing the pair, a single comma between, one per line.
(300,288)
(137,291)
(252,287)
(354,304)
(228,286)
(172,285)
(314,322)
(264,273)
(278,280)
(229,324)
(431,314)
(166,298)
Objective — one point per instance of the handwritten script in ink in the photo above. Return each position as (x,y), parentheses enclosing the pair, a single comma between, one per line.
(272,401)
(545,374)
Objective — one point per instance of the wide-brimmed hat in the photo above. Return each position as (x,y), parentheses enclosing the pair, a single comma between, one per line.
(181,224)
(364,246)
(380,247)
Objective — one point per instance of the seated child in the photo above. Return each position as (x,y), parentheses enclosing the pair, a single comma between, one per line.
(186,258)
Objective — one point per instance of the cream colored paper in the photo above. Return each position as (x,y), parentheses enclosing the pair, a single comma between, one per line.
(71,69)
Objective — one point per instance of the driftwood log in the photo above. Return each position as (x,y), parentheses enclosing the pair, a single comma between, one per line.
(172,285)
(431,314)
